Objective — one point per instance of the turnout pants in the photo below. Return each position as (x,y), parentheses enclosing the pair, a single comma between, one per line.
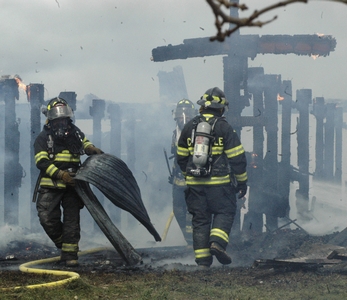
(181,213)
(213,209)
(62,226)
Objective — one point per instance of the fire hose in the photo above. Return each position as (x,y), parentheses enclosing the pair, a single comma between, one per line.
(115,180)
(26,268)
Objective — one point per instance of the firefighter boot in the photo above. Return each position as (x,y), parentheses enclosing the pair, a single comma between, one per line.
(71,263)
(220,254)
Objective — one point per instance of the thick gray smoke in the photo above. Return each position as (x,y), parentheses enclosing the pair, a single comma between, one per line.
(153,129)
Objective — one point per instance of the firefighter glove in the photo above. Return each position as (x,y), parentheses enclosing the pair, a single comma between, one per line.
(241,189)
(90,150)
(67,177)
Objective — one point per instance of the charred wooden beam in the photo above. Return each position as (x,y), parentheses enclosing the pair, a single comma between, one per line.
(249,46)
(13,171)
(35,96)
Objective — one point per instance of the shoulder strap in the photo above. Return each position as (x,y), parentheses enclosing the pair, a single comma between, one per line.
(50,146)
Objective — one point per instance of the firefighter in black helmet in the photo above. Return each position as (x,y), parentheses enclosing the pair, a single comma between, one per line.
(183,113)
(57,155)
(213,161)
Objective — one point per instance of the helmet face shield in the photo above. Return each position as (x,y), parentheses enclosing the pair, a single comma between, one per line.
(60,127)
(59,111)
(183,119)
(184,112)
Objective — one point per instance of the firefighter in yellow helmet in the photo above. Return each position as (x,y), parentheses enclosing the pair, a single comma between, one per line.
(183,113)
(211,156)
(58,148)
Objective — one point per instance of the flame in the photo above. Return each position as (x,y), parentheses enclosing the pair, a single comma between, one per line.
(253,163)
(20,83)
(314,56)
(279,97)
(320,34)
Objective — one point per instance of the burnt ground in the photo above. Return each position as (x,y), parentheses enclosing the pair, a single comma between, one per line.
(283,250)
(285,262)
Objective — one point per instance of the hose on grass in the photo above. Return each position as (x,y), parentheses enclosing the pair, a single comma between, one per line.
(26,268)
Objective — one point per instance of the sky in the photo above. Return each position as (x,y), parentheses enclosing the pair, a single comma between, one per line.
(104,47)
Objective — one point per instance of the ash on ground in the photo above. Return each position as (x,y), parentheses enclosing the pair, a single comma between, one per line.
(286,249)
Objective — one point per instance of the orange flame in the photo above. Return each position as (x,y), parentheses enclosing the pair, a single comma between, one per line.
(279,97)
(20,83)
(314,56)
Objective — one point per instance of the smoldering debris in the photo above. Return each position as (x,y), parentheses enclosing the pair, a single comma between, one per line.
(283,249)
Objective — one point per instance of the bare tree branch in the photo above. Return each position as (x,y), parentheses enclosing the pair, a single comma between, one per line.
(221,18)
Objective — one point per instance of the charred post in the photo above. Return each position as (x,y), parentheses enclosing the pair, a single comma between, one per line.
(70,97)
(235,85)
(304,99)
(329,137)
(338,145)
(13,171)
(253,219)
(274,207)
(115,114)
(35,96)
(319,111)
(284,174)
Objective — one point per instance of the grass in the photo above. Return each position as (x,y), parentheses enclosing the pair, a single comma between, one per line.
(183,285)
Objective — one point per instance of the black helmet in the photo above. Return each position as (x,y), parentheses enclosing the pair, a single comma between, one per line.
(185,108)
(59,115)
(58,108)
(214,98)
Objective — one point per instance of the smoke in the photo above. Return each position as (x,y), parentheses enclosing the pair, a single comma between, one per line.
(328,209)
(9,233)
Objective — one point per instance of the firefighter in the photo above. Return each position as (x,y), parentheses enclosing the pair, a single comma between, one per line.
(213,161)
(57,155)
(182,114)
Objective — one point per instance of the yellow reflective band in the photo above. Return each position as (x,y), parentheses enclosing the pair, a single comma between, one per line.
(234,151)
(41,155)
(58,240)
(201,253)
(191,180)
(51,170)
(70,247)
(182,151)
(241,177)
(217,150)
(86,143)
(220,233)
(179,182)
(67,157)
(48,182)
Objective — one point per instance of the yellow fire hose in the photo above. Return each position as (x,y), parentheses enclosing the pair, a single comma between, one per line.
(72,275)
(167,226)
